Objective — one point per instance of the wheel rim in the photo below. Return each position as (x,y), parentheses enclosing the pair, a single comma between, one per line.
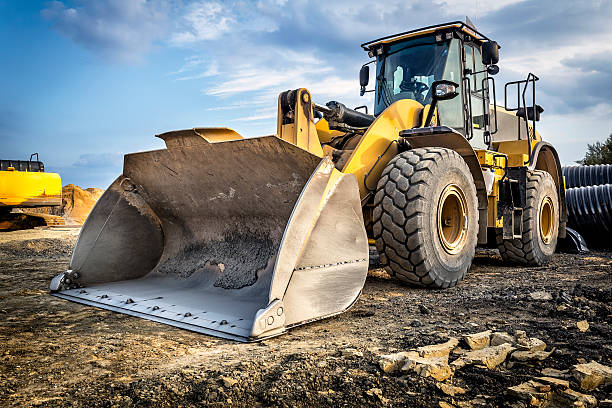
(546,220)
(452,219)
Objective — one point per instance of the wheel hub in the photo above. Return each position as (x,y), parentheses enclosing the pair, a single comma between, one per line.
(546,220)
(452,219)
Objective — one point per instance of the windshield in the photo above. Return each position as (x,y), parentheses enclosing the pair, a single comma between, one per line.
(407,71)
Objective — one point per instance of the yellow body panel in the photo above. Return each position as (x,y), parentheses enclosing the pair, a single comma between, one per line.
(402,114)
(325,133)
(488,158)
(302,132)
(29,189)
(517,151)
(217,134)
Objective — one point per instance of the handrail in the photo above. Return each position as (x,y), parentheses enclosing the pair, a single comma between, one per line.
(520,96)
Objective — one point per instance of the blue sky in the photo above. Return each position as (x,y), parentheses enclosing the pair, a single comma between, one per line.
(83,82)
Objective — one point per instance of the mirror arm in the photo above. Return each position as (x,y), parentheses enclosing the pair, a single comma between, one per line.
(432,108)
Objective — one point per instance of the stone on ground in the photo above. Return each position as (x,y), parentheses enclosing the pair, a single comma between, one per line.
(592,375)
(450,389)
(490,357)
(228,381)
(525,355)
(530,344)
(530,392)
(540,295)
(390,363)
(582,325)
(478,341)
(438,350)
(553,372)
(498,338)
(434,367)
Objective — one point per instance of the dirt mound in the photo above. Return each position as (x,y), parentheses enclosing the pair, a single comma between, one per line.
(76,204)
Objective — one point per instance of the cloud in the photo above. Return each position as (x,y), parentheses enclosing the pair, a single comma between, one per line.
(205,21)
(119,30)
(211,20)
(99,160)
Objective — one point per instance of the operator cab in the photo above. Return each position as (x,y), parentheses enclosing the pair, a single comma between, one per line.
(408,65)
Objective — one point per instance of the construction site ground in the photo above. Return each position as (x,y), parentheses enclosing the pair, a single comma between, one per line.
(55,353)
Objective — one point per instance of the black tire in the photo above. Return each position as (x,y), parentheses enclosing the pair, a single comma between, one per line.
(536,247)
(405,215)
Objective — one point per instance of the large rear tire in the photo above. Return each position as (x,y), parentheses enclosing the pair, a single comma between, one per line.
(540,224)
(426,217)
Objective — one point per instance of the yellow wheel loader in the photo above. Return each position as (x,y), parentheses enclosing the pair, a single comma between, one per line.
(245,238)
(25,184)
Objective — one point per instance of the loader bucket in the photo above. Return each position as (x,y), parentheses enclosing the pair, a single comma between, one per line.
(240,239)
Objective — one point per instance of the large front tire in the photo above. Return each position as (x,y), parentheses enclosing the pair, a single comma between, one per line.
(426,217)
(540,224)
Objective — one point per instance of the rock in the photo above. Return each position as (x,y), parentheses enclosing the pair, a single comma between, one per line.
(416,323)
(605,403)
(544,391)
(488,356)
(498,338)
(391,363)
(229,382)
(530,344)
(582,325)
(520,336)
(529,392)
(351,352)
(592,375)
(424,309)
(531,355)
(377,392)
(570,397)
(540,295)
(451,390)
(554,382)
(478,341)
(434,367)
(552,372)
(438,350)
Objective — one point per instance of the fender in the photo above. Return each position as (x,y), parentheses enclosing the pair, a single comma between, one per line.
(546,158)
(444,136)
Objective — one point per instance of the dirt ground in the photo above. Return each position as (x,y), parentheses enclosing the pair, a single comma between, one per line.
(55,353)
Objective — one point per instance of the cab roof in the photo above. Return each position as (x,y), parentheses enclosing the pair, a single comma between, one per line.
(464,27)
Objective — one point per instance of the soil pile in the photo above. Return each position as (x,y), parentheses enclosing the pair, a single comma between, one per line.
(77,203)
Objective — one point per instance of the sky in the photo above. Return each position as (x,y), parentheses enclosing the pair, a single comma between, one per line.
(84,82)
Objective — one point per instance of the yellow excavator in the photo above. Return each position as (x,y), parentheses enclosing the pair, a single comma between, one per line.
(245,238)
(25,184)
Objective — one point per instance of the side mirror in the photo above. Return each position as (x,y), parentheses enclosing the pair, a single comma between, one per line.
(444,90)
(364,78)
(492,69)
(490,53)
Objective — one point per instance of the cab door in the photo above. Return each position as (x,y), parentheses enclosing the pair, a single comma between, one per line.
(476,97)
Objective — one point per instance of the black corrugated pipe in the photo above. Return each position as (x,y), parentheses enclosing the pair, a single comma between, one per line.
(581,176)
(590,212)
